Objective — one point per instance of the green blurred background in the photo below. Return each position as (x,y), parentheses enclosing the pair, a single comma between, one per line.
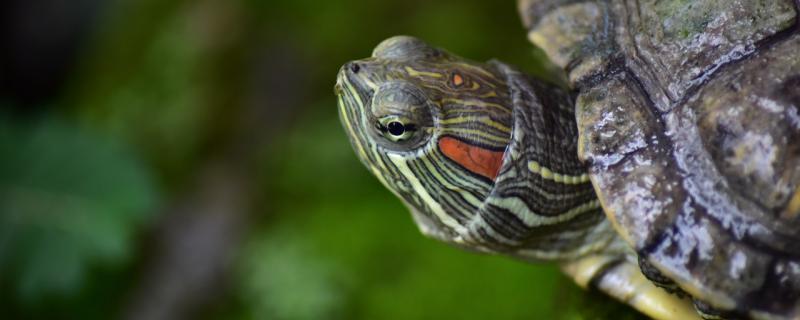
(167,159)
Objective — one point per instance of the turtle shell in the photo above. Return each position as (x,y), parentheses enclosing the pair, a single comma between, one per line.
(688,119)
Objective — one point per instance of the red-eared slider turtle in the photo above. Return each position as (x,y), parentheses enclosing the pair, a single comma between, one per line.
(672,161)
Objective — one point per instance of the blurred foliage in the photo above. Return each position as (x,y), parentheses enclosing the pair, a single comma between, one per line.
(173,85)
(69,203)
(157,95)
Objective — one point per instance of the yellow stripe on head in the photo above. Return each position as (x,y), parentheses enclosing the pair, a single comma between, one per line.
(548,174)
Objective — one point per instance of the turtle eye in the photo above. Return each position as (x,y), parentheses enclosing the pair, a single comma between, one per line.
(400,113)
(395,128)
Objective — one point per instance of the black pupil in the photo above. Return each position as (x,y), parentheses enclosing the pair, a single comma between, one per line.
(396,128)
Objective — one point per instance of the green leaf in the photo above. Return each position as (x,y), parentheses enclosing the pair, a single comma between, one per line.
(68,202)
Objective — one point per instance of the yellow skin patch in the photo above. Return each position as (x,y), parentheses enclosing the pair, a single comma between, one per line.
(548,174)
(416,73)
(490,94)
(627,284)
(793,209)
(480,71)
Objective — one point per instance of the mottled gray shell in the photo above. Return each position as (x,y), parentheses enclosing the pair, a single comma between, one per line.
(688,119)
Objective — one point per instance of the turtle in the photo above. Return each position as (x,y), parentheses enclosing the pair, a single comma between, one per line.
(663,171)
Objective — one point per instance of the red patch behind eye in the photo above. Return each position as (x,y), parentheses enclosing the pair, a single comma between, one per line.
(477,160)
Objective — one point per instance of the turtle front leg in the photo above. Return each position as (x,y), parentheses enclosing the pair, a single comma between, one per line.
(621,278)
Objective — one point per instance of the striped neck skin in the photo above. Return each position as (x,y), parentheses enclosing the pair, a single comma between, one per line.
(484,157)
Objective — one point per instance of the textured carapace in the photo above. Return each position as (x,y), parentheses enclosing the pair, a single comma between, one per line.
(483,156)
(688,121)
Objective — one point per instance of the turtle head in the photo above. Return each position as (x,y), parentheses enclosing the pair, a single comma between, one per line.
(431,126)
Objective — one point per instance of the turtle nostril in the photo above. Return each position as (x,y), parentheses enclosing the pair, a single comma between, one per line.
(355,67)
